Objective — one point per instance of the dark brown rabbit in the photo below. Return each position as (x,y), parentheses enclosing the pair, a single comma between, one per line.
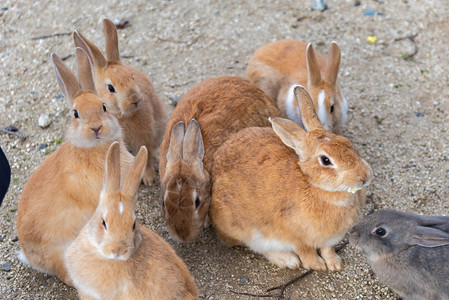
(200,123)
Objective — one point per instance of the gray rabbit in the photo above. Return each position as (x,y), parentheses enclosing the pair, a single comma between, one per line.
(409,253)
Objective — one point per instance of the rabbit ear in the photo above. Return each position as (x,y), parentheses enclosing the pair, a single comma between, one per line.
(290,133)
(95,56)
(110,32)
(174,153)
(333,63)
(313,69)
(307,109)
(84,70)
(134,176)
(429,237)
(432,220)
(192,148)
(67,81)
(112,169)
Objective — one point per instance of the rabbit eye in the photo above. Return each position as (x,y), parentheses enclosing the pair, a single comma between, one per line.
(111,88)
(332,109)
(104,225)
(134,225)
(380,232)
(75,114)
(197,202)
(104,108)
(325,160)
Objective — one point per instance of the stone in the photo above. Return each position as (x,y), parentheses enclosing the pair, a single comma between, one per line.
(319,5)
(6,266)
(44,121)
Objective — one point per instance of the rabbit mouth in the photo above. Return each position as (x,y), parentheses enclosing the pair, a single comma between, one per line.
(354,189)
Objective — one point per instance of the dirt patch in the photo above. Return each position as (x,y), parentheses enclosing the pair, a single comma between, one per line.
(398,113)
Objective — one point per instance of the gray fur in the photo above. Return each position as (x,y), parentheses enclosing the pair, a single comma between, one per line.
(412,258)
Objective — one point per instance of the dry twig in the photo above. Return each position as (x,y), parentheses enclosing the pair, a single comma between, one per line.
(410,37)
(50,35)
(12,132)
(283,287)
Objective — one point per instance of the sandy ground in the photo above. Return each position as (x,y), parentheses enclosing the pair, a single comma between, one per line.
(397,119)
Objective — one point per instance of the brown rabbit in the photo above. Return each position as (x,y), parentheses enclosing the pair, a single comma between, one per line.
(129,95)
(286,192)
(114,257)
(62,193)
(220,106)
(277,68)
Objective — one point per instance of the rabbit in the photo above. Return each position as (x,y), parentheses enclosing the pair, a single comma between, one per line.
(202,120)
(285,192)
(278,67)
(114,257)
(408,252)
(129,95)
(62,193)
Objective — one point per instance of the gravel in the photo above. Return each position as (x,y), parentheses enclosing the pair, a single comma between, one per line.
(398,112)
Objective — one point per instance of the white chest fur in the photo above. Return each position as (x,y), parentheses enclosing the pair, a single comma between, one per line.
(260,244)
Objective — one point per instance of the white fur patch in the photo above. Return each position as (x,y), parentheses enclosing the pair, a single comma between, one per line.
(21,256)
(120,207)
(344,109)
(322,113)
(260,244)
(291,106)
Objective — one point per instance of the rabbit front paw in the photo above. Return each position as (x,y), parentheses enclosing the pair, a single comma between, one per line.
(283,259)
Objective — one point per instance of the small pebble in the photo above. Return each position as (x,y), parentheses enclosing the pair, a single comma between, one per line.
(4,8)
(369,12)
(44,121)
(357,3)
(6,266)
(59,96)
(243,281)
(175,100)
(319,5)
(15,239)
(371,39)
(42,146)
(419,114)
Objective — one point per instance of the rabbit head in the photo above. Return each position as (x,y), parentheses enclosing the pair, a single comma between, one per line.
(186,184)
(329,161)
(113,229)
(385,232)
(91,124)
(113,80)
(330,103)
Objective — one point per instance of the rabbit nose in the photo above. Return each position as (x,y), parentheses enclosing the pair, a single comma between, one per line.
(135,99)
(96,129)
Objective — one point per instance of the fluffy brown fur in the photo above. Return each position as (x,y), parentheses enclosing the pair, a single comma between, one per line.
(115,258)
(221,106)
(275,67)
(62,193)
(271,192)
(134,102)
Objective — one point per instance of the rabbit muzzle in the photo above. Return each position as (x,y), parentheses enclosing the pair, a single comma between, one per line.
(131,103)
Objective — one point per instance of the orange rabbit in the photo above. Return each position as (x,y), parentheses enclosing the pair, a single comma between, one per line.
(114,257)
(277,68)
(63,192)
(286,192)
(129,95)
